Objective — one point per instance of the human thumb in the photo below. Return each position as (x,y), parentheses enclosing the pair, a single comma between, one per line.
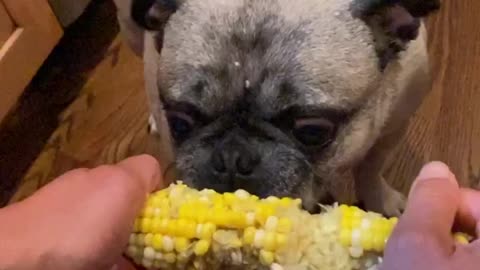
(432,206)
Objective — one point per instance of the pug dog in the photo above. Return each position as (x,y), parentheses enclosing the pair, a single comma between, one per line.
(282,97)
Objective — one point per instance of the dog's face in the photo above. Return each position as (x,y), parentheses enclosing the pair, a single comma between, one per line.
(273,96)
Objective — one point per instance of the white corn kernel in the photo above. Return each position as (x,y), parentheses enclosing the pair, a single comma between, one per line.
(271,224)
(356,238)
(132,251)
(133,239)
(259,237)
(276,266)
(158,256)
(356,252)
(242,194)
(168,244)
(149,253)
(366,223)
(147,263)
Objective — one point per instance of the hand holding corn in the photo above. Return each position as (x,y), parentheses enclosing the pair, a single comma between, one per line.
(182,228)
(80,221)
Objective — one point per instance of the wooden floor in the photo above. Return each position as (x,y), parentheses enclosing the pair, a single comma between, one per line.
(105,118)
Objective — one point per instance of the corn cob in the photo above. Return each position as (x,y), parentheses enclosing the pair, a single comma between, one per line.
(182,228)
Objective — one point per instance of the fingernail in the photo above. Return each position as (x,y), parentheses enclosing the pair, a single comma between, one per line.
(435,170)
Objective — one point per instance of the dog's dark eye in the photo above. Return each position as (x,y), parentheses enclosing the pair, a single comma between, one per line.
(313,131)
(181,125)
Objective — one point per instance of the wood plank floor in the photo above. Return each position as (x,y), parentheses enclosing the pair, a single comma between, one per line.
(107,120)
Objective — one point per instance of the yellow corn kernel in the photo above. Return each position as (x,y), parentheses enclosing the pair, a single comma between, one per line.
(229,198)
(385,235)
(285,202)
(155,201)
(217,199)
(148,239)
(161,194)
(269,243)
(157,241)
(237,220)
(281,240)
(378,242)
(168,233)
(219,217)
(346,222)
(173,228)
(356,222)
(146,225)
(264,211)
(155,226)
(181,244)
(266,257)
(376,224)
(170,258)
(357,212)
(385,226)
(347,212)
(202,215)
(147,212)
(186,211)
(165,206)
(284,225)
(297,203)
(367,240)
(461,238)
(163,227)
(249,235)
(190,229)
(181,227)
(201,247)
(346,237)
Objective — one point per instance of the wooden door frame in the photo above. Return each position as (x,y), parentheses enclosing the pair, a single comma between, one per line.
(36,34)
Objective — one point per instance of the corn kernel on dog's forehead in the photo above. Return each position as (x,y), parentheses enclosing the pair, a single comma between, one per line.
(182,228)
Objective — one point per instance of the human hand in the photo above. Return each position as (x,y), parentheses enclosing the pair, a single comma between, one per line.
(81,221)
(422,239)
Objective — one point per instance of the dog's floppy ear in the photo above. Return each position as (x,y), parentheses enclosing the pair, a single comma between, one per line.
(153,14)
(394,22)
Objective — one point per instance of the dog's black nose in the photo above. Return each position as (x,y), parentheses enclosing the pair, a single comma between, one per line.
(234,158)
